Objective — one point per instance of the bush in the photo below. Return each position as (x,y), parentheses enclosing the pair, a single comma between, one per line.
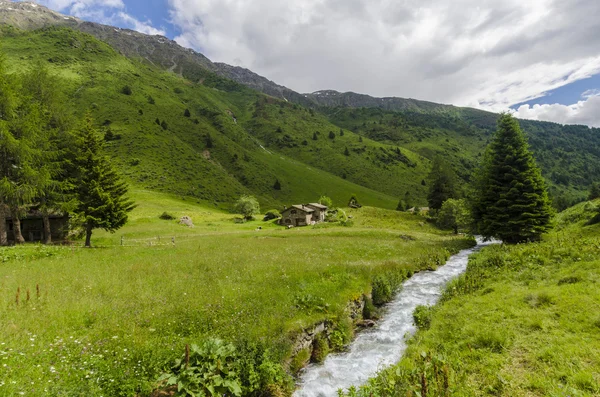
(216,368)
(422,316)
(166,216)
(320,349)
(369,312)
(208,369)
(271,214)
(341,335)
(326,201)
(126,90)
(247,206)
(382,291)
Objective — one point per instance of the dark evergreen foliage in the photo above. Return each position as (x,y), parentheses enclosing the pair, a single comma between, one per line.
(100,192)
(187,113)
(331,135)
(315,137)
(442,184)
(277,185)
(510,199)
(346,152)
(594,191)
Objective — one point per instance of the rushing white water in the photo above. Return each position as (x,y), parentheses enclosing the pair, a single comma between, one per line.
(383,345)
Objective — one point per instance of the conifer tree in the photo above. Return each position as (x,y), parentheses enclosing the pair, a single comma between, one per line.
(100,192)
(442,184)
(510,198)
(8,146)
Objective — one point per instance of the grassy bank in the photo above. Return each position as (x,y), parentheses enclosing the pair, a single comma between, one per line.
(523,321)
(109,320)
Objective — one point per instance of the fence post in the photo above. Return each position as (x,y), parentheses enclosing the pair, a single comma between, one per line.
(173,241)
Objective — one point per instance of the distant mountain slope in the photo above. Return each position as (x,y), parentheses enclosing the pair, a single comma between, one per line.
(217,153)
(400,136)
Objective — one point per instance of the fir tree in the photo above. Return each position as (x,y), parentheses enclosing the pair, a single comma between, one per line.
(510,199)
(331,135)
(346,152)
(100,192)
(442,184)
(277,185)
(594,191)
(315,137)
(187,113)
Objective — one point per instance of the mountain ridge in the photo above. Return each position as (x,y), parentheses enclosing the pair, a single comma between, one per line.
(169,55)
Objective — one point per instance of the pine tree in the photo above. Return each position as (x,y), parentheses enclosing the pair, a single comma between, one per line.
(277,185)
(40,88)
(8,145)
(187,113)
(442,184)
(100,192)
(510,199)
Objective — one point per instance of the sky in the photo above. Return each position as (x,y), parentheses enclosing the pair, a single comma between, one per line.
(539,59)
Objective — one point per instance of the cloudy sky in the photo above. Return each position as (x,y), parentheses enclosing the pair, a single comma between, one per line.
(540,58)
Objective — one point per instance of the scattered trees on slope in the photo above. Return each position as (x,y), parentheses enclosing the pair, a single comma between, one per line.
(510,198)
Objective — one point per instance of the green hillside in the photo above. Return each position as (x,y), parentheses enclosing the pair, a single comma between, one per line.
(212,139)
(208,155)
(569,155)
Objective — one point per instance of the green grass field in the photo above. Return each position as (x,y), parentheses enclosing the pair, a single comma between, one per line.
(523,321)
(108,320)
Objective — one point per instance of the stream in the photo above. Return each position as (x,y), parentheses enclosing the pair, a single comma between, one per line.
(383,345)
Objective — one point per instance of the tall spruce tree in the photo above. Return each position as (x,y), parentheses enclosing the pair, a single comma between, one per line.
(442,183)
(100,192)
(510,199)
(8,145)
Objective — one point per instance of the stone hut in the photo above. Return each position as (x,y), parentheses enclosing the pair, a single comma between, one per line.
(303,214)
(320,211)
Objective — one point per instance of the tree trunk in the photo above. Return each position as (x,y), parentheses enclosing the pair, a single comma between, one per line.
(3,236)
(17,228)
(47,229)
(88,235)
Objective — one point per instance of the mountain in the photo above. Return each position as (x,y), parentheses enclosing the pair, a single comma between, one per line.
(240,141)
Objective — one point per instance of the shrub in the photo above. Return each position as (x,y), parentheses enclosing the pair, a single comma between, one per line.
(382,291)
(247,206)
(326,201)
(271,214)
(300,360)
(369,312)
(166,216)
(208,369)
(320,349)
(341,335)
(187,113)
(422,317)
(569,280)
(126,90)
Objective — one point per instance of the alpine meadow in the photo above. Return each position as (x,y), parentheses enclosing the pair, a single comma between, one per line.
(173,226)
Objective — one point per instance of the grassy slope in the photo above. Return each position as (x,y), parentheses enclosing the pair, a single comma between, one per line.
(179,159)
(524,321)
(568,155)
(109,319)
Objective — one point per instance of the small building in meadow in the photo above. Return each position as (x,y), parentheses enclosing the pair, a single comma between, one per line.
(303,214)
(320,211)
(32,227)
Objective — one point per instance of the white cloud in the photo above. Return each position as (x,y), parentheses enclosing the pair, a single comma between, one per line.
(109,12)
(482,53)
(586,112)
